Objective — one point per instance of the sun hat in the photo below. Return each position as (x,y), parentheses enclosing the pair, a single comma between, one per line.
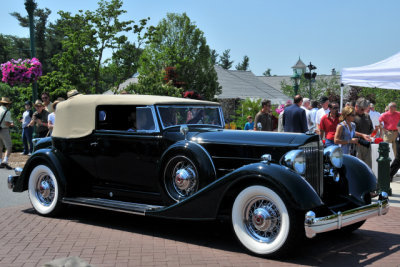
(72,93)
(38,103)
(5,100)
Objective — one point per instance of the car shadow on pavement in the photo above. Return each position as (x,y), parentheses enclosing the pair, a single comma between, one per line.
(362,247)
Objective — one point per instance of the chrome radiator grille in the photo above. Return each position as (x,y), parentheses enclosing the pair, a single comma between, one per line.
(314,168)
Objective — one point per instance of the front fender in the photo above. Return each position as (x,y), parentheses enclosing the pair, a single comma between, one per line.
(46,156)
(361,180)
(205,203)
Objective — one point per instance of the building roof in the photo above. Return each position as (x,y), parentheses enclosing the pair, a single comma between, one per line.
(299,65)
(244,84)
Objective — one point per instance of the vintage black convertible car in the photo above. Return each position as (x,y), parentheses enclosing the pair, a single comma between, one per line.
(171,158)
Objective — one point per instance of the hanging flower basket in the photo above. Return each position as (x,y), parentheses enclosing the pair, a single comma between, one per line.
(21,71)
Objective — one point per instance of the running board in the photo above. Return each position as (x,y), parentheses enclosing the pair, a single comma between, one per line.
(108,204)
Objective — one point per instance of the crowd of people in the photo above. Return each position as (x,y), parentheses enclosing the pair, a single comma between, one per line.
(354,128)
(38,123)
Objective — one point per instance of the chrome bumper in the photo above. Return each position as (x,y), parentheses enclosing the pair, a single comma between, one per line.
(314,225)
(11,180)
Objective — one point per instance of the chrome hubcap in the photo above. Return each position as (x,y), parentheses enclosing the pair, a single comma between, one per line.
(185,179)
(262,219)
(182,180)
(45,190)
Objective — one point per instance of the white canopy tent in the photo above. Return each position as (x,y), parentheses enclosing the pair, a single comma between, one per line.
(383,74)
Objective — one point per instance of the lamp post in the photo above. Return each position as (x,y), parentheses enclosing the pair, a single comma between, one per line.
(30,7)
(310,76)
(295,78)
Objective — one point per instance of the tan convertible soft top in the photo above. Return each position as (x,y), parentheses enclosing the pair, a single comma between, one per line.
(76,116)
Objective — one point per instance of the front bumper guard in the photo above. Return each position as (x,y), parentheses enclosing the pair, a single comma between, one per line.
(12,180)
(336,221)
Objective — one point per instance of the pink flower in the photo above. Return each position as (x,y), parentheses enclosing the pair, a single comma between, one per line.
(21,71)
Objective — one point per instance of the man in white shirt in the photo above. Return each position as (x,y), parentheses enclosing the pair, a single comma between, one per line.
(322,111)
(374,115)
(313,116)
(5,136)
(306,107)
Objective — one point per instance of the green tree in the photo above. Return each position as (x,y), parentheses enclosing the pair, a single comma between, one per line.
(224,61)
(247,107)
(214,56)
(380,97)
(328,86)
(244,65)
(267,72)
(13,47)
(108,31)
(177,43)
(77,62)
(87,35)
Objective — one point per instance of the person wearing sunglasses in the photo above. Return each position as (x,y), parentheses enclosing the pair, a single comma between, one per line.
(364,126)
(328,125)
(46,102)
(346,134)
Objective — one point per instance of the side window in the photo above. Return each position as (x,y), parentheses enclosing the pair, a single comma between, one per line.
(144,119)
(125,118)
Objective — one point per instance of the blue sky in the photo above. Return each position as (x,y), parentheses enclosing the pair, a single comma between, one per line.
(330,34)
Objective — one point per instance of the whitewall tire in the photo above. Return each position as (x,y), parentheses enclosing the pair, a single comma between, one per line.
(44,190)
(261,221)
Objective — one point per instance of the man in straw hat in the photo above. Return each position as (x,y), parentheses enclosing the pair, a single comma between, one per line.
(72,93)
(40,118)
(5,138)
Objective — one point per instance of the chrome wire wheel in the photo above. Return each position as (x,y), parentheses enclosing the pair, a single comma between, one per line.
(260,220)
(43,190)
(181,178)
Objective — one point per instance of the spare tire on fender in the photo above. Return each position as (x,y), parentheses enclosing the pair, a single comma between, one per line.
(186,167)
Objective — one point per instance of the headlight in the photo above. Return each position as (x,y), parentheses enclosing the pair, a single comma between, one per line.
(335,155)
(296,160)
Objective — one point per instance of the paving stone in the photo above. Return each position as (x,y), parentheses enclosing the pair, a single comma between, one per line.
(103,238)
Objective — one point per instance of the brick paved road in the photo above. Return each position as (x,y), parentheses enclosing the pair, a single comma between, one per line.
(104,238)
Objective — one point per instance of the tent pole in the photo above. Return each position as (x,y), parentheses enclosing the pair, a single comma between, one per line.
(341,97)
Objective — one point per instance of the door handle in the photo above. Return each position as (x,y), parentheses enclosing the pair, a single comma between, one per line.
(94,144)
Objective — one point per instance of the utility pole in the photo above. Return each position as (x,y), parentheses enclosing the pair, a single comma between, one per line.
(30,7)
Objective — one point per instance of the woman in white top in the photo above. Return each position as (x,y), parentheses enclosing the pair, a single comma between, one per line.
(52,116)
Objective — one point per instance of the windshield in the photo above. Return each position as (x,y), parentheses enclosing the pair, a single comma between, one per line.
(190,115)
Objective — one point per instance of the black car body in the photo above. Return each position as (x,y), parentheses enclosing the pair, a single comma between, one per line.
(170,157)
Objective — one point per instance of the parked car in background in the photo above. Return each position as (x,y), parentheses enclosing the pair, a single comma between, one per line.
(171,158)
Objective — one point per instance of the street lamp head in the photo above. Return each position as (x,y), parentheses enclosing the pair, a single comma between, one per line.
(30,6)
(311,67)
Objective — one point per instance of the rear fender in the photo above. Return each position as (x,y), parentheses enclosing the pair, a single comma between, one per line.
(43,156)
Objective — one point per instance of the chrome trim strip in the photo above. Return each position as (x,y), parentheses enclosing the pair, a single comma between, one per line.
(114,205)
(314,225)
(254,159)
